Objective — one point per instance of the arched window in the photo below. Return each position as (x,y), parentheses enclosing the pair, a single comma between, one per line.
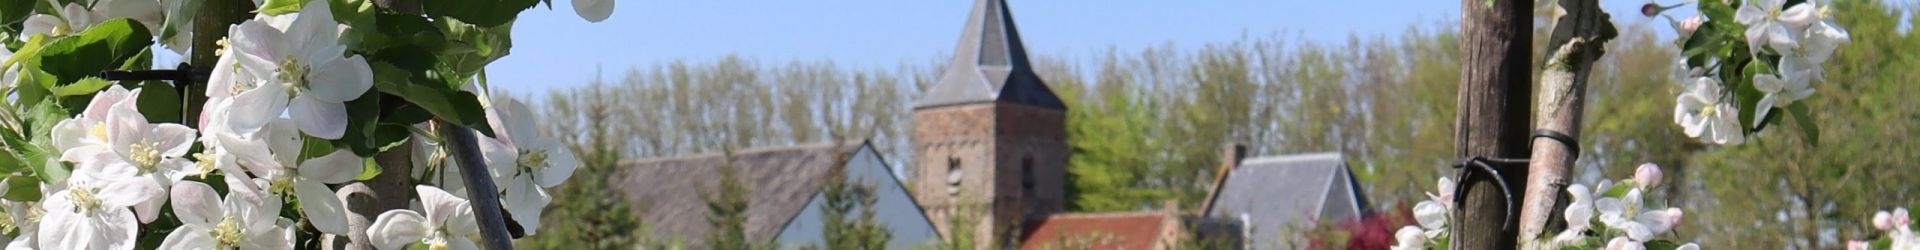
(953,176)
(1026,176)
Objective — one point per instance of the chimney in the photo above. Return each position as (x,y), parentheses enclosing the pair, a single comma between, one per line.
(1230,157)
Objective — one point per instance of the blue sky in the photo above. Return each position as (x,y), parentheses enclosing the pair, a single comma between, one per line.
(555,48)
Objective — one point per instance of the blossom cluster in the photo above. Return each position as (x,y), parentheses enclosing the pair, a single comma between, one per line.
(1624,220)
(259,167)
(1786,44)
(1898,232)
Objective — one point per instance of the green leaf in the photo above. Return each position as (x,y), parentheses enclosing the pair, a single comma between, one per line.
(1717,11)
(180,14)
(1804,118)
(1661,245)
(40,122)
(101,47)
(13,12)
(85,86)
(368,169)
(280,7)
(1619,189)
(1746,96)
(479,12)
(457,107)
(23,188)
(472,47)
(315,148)
(160,102)
(1881,244)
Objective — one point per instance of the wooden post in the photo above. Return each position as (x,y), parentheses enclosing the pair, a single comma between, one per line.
(1579,39)
(1492,121)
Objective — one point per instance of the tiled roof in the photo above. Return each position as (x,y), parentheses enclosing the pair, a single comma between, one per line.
(1277,193)
(780,181)
(1128,230)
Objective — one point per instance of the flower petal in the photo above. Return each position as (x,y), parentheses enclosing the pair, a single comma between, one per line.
(395,229)
(189,237)
(253,109)
(337,167)
(324,210)
(196,203)
(560,166)
(318,118)
(526,205)
(341,80)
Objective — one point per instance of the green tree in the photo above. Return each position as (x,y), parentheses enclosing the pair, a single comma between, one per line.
(727,210)
(842,227)
(582,216)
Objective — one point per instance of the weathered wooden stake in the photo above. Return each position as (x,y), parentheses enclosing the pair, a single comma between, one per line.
(1492,121)
(1579,39)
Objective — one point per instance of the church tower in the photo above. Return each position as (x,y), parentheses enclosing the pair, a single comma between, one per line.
(990,139)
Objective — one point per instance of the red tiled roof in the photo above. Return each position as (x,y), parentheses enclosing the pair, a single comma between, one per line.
(1130,230)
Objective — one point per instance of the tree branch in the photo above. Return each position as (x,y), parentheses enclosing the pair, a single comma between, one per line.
(1579,39)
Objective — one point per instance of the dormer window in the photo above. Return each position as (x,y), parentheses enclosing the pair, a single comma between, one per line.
(953,176)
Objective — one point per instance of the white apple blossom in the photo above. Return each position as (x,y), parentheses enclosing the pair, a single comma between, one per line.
(1773,25)
(89,129)
(1410,238)
(72,18)
(1432,216)
(298,60)
(1579,213)
(208,222)
(1821,38)
(538,163)
(1622,243)
(124,145)
(1899,231)
(1792,84)
(215,155)
(1705,115)
(92,214)
(23,221)
(593,10)
(447,223)
(306,179)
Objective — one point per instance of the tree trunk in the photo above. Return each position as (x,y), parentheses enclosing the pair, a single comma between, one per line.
(1492,119)
(1578,40)
(210,25)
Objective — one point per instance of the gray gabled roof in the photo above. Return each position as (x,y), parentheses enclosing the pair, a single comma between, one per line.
(990,64)
(1289,192)
(780,182)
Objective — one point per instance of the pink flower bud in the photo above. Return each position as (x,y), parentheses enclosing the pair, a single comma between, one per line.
(1858,245)
(1882,220)
(1687,26)
(1648,175)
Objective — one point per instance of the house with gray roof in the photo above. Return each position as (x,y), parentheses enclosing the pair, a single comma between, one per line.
(1275,196)
(786,187)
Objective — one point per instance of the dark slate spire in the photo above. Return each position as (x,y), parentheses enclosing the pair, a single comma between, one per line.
(990,64)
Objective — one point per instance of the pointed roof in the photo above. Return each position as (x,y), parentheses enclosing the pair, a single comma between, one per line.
(1276,193)
(990,64)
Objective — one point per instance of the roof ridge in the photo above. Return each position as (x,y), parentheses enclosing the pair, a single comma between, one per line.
(848,144)
(1108,215)
(1258,161)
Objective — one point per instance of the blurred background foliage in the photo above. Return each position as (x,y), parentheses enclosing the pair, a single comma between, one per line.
(1148,126)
